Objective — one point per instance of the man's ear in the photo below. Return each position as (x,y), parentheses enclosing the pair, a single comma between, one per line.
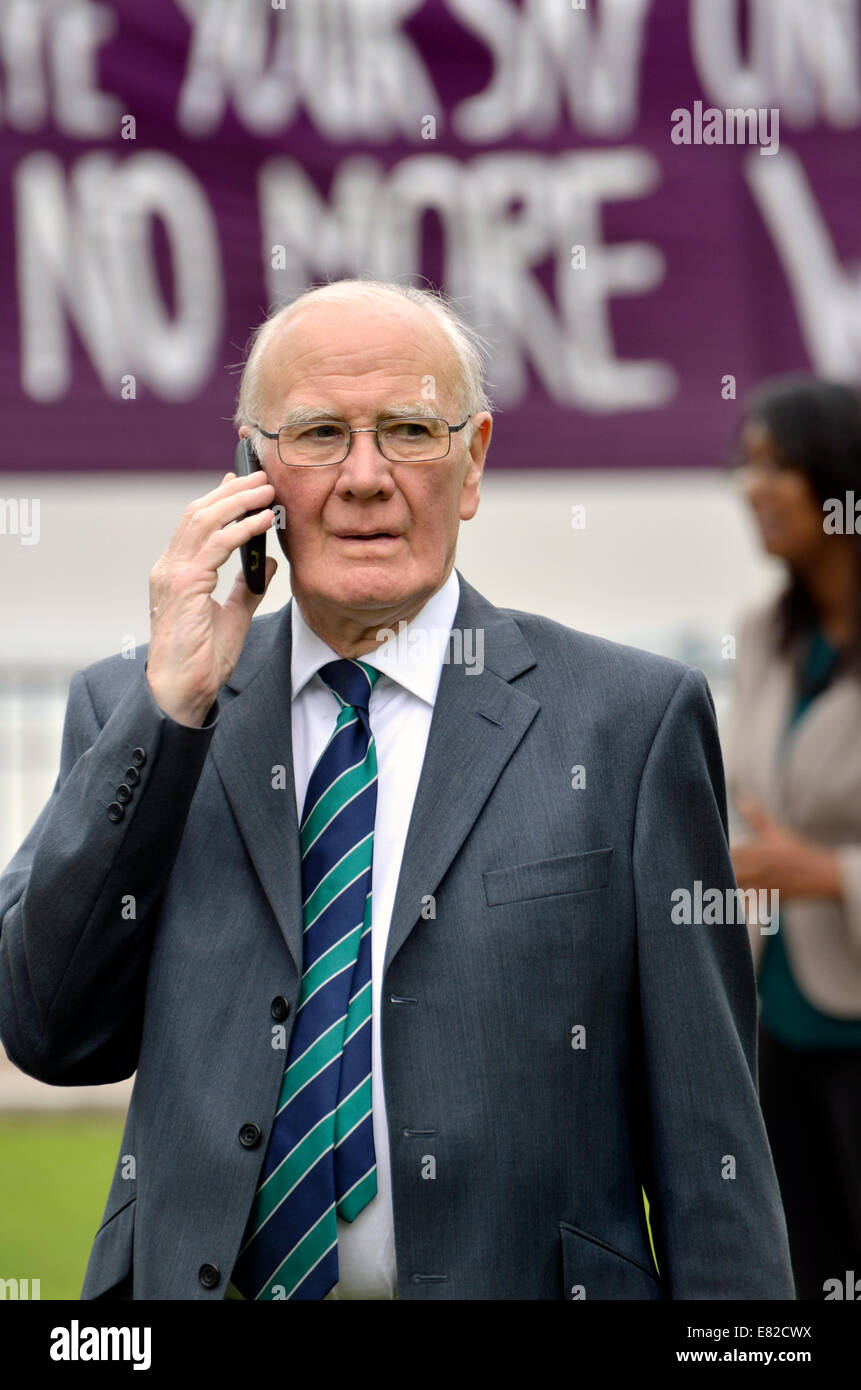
(477,452)
(245,432)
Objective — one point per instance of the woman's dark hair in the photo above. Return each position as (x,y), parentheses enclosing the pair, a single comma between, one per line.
(816,428)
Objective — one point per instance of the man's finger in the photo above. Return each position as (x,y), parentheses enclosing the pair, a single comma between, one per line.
(200,527)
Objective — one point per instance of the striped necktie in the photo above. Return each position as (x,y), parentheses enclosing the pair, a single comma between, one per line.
(320,1162)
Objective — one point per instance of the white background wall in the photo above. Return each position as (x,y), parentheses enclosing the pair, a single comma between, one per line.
(662,554)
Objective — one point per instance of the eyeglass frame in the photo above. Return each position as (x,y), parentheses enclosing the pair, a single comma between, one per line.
(367,429)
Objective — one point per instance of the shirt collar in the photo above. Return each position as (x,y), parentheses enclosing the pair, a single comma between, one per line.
(413,656)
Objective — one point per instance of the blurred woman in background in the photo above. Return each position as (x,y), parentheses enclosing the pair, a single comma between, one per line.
(793,764)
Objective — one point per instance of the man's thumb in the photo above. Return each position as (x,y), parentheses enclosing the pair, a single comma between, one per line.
(242,595)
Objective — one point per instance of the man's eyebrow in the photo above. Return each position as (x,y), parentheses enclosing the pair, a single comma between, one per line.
(308,414)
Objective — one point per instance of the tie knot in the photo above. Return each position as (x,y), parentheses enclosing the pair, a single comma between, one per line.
(352,681)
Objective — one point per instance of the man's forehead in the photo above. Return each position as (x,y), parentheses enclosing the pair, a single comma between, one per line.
(357,338)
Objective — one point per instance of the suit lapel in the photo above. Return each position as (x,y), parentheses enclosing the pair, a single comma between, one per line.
(477,723)
(253,752)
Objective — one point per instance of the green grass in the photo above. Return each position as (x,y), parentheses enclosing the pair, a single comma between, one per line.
(55,1171)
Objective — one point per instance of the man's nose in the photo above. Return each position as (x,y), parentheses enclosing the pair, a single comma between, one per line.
(364,469)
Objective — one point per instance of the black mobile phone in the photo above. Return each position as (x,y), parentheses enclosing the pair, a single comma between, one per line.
(253,553)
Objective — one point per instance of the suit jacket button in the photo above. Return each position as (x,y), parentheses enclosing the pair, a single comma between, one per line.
(250,1136)
(123,794)
(209,1276)
(280,1008)
(116,811)
(132,776)
(139,758)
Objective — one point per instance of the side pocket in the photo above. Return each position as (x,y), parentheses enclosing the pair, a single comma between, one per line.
(110,1262)
(591,1269)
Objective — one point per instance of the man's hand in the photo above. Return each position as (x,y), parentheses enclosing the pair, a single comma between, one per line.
(779,858)
(195,642)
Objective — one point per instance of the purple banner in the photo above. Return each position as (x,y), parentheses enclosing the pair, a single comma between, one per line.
(645,205)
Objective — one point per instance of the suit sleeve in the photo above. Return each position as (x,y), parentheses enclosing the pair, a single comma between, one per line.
(715,1210)
(78,901)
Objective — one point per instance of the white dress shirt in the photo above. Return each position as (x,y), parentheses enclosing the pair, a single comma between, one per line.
(400,712)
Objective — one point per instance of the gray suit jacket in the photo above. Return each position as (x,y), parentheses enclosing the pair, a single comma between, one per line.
(552,914)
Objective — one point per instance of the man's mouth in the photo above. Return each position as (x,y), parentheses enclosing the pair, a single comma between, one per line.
(367,536)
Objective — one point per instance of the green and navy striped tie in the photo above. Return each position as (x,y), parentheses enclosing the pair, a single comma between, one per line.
(320,1162)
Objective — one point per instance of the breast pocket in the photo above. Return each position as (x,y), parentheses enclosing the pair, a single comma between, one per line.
(547,878)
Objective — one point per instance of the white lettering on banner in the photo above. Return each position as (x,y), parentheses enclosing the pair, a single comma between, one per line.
(803,57)
(60,270)
(372,222)
(595,378)
(542,55)
(353,68)
(318,237)
(346,62)
(827,297)
(49,50)
(85,256)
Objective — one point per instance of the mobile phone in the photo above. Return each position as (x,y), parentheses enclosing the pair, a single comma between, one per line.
(253,553)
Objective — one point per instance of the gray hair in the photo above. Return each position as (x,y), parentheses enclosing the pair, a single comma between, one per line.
(469,348)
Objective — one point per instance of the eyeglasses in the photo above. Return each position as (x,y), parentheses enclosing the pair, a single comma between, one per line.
(322,443)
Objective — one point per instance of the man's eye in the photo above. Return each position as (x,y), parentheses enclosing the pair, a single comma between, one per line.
(410,429)
(320,434)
